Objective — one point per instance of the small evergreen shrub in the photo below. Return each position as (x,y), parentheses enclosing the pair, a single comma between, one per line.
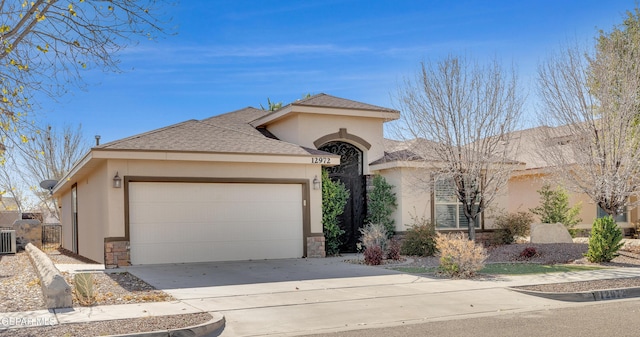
(528,253)
(381,204)
(554,208)
(393,250)
(83,283)
(459,257)
(373,255)
(510,225)
(334,198)
(604,240)
(374,235)
(420,238)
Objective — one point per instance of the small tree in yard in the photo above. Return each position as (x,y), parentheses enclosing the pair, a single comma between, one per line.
(382,203)
(604,240)
(461,115)
(334,198)
(554,208)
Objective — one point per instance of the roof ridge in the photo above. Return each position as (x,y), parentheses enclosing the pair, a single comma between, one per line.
(231,112)
(261,136)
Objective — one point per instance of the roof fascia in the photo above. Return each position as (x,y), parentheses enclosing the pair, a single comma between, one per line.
(294,109)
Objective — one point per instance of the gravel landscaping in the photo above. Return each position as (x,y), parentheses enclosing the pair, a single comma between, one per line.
(20,291)
(557,253)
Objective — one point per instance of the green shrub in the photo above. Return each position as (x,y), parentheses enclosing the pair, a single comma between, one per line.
(459,257)
(381,204)
(510,225)
(420,238)
(554,208)
(83,283)
(604,240)
(334,198)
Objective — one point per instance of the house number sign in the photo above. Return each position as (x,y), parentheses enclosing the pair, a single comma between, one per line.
(320,160)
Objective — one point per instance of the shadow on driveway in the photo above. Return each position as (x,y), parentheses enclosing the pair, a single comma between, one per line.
(211,274)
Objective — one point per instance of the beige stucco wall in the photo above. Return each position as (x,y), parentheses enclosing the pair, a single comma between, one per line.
(305,129)
(413,200)
(101,207)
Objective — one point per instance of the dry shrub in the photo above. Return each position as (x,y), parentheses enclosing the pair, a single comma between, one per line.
(510,225)
(459,257)
(393,250)
(374,235)
(373,255)
(528,253)
(420,238)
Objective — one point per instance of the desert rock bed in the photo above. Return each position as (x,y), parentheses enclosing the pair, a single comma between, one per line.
(20,291)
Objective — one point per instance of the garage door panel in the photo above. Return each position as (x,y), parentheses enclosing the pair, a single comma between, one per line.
(196,222)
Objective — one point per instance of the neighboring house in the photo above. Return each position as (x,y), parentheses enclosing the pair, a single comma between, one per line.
(9,211)
(245,185)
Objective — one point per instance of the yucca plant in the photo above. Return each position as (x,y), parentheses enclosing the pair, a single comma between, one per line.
(84,288)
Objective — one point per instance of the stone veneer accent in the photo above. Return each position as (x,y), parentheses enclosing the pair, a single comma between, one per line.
(116,254)
(315,247)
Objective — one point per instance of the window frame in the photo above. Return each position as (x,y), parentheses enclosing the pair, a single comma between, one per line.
(622,217)
(450,200)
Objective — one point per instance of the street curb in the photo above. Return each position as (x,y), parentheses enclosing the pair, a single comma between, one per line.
(216,324)
(585,296)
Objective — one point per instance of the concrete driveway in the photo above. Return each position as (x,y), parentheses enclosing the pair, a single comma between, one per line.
(302,296)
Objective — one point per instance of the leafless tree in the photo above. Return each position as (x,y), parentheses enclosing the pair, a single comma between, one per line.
(590,100)
(12,186)
(45,45)
(47,154)
(462,112)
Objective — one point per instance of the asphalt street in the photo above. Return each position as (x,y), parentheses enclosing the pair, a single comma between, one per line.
(620,318)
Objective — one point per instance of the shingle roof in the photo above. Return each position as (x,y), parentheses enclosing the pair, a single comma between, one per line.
(205,136)
(417,149)
(238,120)
(328,101)
(230,132)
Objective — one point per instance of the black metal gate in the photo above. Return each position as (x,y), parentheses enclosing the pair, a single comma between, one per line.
(51,236)
(349,172)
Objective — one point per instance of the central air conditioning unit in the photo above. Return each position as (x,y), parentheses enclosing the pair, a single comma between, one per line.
(7,241)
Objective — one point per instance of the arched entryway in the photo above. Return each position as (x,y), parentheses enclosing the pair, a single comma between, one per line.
(350,173)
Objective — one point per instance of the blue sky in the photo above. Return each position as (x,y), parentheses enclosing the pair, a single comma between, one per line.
(226,55)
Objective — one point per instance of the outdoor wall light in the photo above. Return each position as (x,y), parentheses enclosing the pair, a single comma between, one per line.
(316,183)
(117,181)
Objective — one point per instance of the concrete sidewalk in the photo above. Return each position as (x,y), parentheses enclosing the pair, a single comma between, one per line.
(296,297)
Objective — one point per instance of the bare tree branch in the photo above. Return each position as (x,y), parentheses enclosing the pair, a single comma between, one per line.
(590,100)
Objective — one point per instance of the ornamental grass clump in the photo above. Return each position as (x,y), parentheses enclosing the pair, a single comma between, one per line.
(604,241)
(459,257)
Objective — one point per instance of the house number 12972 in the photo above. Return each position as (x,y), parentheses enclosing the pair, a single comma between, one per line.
(320,160)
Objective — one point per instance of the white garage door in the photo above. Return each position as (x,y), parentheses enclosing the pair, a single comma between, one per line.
(196,222)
